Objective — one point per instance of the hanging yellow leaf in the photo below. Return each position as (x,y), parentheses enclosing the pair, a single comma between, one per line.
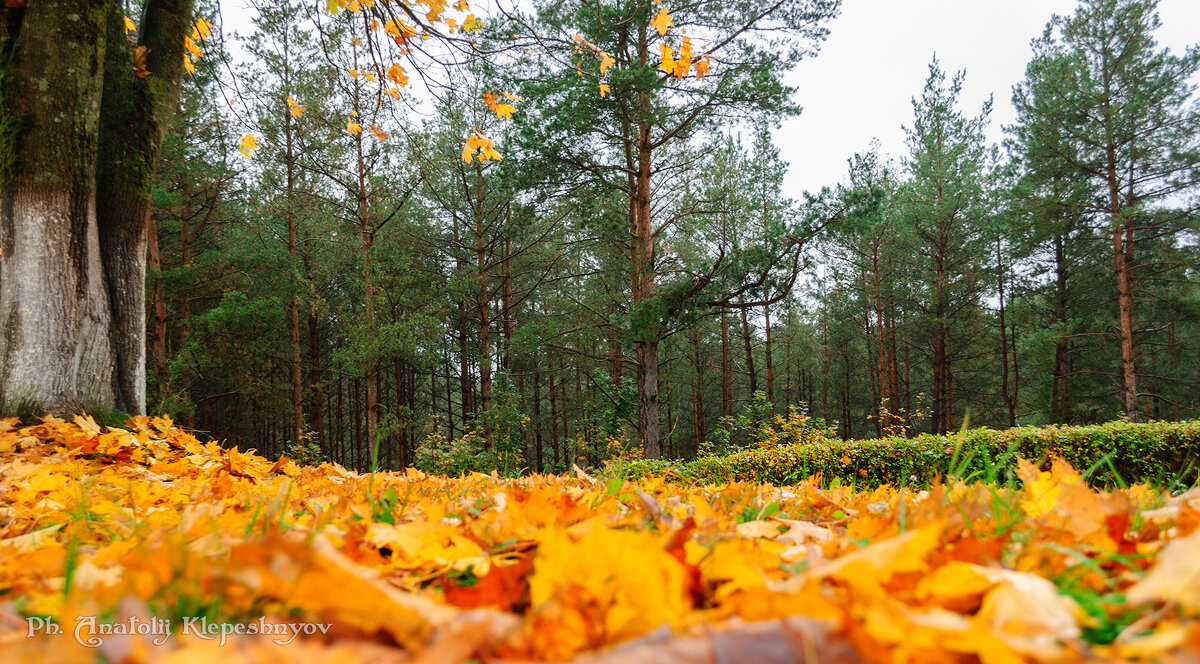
(352,127)
(481,147)
(471,24)
(400,31)
(139,61)
(661,21)
(190,46)
(504,111)
(296,109)
(685,58)
(606,61)
(510,96)
(248,145)
(353,72)
(369,75)
(202,29)
(436,8)
(461,5)
(668,59)
(188,66)
(701,68)
(501,109)
(130,26)
(378,132)
(394,93)
(397,75)
(604,89)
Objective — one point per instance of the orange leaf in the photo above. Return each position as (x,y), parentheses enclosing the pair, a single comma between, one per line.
(661,21)
(139,61)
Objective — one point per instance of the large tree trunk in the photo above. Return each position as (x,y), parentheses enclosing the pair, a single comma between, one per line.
(74,201)
(643,287)
(1123,239)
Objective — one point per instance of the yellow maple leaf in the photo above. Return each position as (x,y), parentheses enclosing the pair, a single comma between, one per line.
(668,59)
(248,145)
(352,127)
(353,72)
(188,65)
(471,24)
(436,8)
(481,147)
(684,63)
(378,132)
(190,46)
(661,21)
(624,605)
(397,75)
(130,26)
(603,89)
(202,29)
(461,5)
(701,68)
(296,109)
(606,61)
(400,31)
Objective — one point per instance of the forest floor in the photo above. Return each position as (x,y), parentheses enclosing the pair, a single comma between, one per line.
(147,545)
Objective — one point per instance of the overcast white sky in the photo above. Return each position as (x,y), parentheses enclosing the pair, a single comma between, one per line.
(876,60)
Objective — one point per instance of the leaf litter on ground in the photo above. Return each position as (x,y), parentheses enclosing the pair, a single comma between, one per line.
(149,522)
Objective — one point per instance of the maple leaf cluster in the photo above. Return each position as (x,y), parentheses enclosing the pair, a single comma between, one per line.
(149,521)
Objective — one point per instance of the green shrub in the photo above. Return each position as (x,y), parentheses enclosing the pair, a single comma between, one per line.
(1162,453)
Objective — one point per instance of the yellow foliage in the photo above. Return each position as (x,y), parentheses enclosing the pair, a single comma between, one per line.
(148,521)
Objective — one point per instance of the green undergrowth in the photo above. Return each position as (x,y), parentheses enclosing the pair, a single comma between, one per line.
(1165,454)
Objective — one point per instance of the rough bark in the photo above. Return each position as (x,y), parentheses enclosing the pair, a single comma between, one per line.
(74,196)
(134,117)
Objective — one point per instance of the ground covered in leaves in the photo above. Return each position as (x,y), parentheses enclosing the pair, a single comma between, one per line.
(150,530)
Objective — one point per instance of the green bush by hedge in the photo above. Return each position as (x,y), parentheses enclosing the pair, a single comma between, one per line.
(1163,453)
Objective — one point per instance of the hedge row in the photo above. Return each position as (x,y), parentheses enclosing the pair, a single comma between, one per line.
(1162,453)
